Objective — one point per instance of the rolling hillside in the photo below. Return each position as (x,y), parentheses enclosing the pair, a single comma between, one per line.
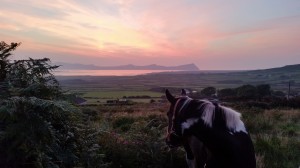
(277,77)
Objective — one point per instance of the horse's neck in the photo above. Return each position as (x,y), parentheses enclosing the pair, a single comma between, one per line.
(209,135)
(200,130)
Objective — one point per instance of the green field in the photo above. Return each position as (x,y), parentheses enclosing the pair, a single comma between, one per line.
(101,97)
(118,94)
(99,89)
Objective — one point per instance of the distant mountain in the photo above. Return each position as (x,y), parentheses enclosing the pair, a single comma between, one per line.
(187,67)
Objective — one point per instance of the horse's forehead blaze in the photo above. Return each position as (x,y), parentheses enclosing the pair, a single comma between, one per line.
(174,111)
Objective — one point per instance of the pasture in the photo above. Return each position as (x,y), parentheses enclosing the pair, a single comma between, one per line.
(120,94)
(278,78)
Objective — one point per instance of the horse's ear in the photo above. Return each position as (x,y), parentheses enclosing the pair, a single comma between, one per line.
(169,96)
(183,92)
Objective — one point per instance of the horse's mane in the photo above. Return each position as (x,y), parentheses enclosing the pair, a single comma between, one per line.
(232,118)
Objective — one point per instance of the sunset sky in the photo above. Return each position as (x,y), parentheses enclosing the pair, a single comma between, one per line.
(213,34)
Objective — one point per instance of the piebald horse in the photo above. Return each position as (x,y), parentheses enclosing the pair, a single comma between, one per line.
(217,128)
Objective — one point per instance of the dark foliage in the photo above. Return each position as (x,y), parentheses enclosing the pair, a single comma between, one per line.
(226,93)
(208,91)
(38,128)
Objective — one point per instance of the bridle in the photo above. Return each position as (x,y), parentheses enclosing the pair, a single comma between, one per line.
(185,104)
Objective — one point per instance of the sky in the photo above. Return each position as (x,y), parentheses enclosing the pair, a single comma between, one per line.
(212,34)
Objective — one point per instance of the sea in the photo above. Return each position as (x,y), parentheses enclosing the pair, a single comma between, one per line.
(107,72)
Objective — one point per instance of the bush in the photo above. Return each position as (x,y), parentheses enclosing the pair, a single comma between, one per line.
(227,93)
(208,91)
(141,146)
(246,92)
(123,123)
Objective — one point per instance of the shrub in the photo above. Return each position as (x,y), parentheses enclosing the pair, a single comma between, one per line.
(225,93)
(123,123)
(246,92)
(208,91)
(141,146)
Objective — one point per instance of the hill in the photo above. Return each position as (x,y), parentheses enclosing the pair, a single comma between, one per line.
(285,69)
(278,78)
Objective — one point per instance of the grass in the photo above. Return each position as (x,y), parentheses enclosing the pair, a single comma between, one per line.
(135,135)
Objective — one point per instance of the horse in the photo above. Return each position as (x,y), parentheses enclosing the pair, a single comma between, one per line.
(196,153)
(219,128)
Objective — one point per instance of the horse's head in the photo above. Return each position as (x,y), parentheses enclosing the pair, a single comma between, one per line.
(175,135)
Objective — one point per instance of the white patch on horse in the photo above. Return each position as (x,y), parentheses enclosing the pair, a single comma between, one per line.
(208,113)
(188,123)
(233,120)
(186,102)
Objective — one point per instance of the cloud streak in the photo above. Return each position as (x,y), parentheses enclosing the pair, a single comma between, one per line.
(166,32)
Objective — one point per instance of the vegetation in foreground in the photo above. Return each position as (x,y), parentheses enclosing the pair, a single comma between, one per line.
(135,138)
(38,126)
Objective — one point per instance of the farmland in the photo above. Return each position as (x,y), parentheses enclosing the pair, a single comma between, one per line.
(153,85)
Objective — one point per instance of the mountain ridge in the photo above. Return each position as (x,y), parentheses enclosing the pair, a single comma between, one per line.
(76,66)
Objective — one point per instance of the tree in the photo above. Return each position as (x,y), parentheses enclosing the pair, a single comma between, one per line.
(5,50)
(5,53)
(278,93)
(227,92)
(247,91)
(33,77)
(263,90)
(208,91)
(37,126)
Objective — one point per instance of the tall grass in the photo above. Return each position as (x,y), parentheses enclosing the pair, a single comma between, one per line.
(135,138)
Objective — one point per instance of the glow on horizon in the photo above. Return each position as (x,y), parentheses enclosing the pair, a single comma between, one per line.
(214,35)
